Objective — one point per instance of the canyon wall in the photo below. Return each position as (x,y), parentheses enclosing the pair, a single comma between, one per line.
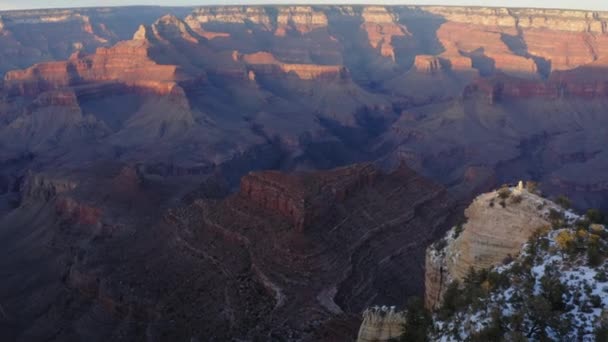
(495,230)
(303,199)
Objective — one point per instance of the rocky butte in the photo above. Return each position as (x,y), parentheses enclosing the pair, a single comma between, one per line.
(497,225)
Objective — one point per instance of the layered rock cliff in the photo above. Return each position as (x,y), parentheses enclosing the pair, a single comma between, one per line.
(302,19)
(382,27)
(497,225)
(304,198)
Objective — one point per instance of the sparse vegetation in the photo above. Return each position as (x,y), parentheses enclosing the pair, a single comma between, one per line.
(563,202)
(539,307)
(418,321)
(595,216)
(504,192)
(532,187)
(458,230)
(516,199)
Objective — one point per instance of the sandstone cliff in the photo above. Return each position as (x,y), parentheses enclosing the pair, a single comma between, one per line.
(382,27)
(381,324)
(492,232)
(302,19)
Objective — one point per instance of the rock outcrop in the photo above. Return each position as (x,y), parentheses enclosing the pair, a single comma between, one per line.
(381,27)
(303,198)
(428,64)
(264,63)
(229,15)
(302,19)
(495,229)
(381,324)
(44,188)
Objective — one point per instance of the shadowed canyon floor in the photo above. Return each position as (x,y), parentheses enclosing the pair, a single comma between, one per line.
(108,265)
(127,138)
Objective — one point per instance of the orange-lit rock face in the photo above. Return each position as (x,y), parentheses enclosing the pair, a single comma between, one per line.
(381,27)
(486,49)
(127,62)
(266,63)
(428,64)
(564,39)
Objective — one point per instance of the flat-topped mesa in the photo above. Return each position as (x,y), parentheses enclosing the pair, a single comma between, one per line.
(381,324)
(553,19)
(304,197)
(496,229)
(381,26)
(302,19)
(264,63)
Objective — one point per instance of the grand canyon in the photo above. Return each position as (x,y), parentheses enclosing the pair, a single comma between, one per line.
(267,173)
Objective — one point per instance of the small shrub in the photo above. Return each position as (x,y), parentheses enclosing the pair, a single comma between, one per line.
(594,256)
(565,240)
(516,199)
(601,276)
(596,301)
(563,202)
(503,203)
(595,216)
(507,260)
(504,192)
(440,245)
(458,230)
(418,322)
(556,218)
(532,187)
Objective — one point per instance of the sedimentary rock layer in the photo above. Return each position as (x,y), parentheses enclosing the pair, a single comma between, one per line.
(495,229)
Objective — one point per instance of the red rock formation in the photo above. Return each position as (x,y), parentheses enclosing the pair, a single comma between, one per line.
(128,63)
(381,27)
(485,45)
(302,197)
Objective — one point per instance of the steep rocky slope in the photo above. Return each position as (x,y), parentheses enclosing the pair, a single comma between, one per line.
(553,288)
(495,229)
(521,267)
(238,267)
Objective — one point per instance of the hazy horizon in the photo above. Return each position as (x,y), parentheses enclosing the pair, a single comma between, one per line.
(565,4)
